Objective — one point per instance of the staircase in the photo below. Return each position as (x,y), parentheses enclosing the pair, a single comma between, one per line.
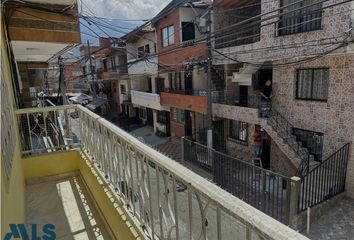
(319,180)
(244,76)
(281,132)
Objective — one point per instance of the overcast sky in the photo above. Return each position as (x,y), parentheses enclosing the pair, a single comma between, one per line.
(126,9)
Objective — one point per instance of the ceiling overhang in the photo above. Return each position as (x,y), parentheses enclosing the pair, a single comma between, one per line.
(26,51)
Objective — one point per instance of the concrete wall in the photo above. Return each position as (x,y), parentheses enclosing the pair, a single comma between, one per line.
(13,209)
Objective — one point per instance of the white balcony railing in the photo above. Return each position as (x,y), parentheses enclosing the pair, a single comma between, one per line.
(149,100)
(167,200)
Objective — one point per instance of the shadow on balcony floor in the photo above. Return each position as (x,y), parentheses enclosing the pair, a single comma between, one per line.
(65,203)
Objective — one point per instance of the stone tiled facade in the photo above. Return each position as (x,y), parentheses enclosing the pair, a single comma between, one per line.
(336,21)
(334,118)
(244,114)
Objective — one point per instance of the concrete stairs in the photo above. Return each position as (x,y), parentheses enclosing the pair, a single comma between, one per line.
(280,131)
(244,76)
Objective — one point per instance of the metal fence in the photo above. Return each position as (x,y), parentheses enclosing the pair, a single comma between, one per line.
(325,180)
(48,129)
(261,188)
(165,199)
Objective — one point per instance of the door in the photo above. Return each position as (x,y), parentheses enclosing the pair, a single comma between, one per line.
(266,150)
(160,85)
(149,85)
(149,116)
(243,91)
(188,124)
(168,124)
(188,79)
(218,135)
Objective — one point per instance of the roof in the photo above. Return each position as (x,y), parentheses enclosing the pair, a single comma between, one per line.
(179,3)
(136,34)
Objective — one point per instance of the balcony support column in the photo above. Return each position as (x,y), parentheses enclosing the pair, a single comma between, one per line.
(293,201)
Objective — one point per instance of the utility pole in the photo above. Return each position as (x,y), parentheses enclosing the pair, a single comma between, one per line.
(62,84)
(209,84)
(92,72)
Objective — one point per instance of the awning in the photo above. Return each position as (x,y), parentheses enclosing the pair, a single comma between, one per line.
(96,103)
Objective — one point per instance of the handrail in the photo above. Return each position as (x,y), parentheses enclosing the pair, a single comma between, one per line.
(116,153)
(324,181)
(329,158)
(305,162)
(244,180)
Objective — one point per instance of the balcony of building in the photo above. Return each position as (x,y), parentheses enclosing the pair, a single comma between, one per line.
(230,105)
(192,100)
(102,183)
(147,99)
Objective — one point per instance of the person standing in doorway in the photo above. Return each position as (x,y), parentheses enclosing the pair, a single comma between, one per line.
(257,142)
(266,98)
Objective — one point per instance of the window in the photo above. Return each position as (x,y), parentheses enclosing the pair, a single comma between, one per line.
(162,117)
(188,31)
(123,89)
(177,115)
(113,63)
(147,49)
(142,113)
(84,70)
(104,65)
(302,20)
(143,51)
(312,84)
(176,83)
(168,36)
(310,140)
(238,130)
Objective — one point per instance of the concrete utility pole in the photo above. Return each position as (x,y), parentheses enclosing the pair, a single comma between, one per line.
(92,72)
(209,84)
(62,84)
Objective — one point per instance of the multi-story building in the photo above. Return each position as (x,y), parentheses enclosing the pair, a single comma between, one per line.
(105,69)
(32,61)
(305,48)
(145,83)
(68,173)
(181,66)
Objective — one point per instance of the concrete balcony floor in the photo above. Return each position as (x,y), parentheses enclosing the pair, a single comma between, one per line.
(65,202)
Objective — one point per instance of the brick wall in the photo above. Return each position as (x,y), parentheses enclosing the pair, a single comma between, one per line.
(187,102)
(182,55)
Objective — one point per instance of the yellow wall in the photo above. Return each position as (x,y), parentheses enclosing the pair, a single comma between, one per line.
(62,162)
(51,164)
(13,191)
